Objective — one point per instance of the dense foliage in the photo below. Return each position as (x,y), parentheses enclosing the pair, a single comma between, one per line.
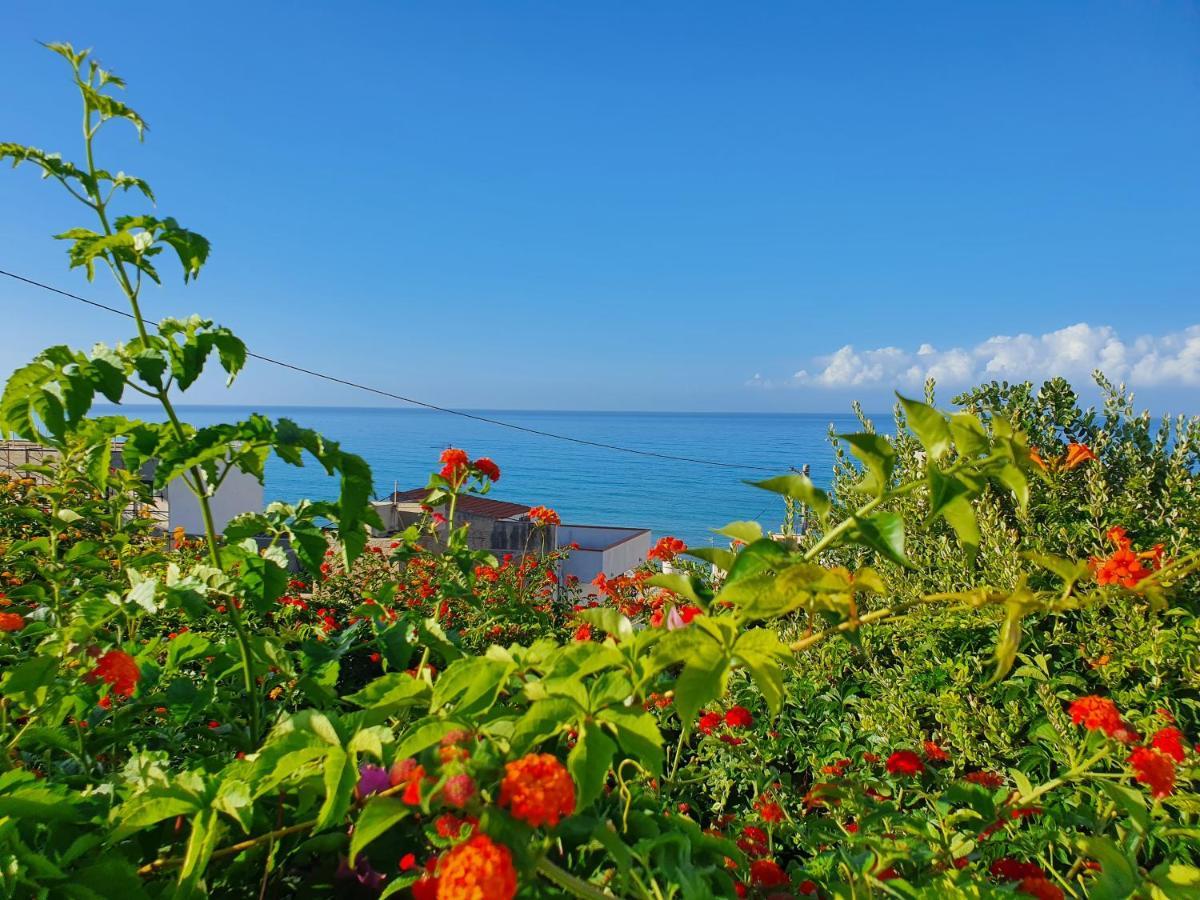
(975,672)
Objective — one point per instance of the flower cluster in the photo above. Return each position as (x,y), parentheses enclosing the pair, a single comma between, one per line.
(538,790)
(666,549)
(1076,455)
(1125,566)
(1153,763)
(457,467)
(118,669)
(477,869)
(543,515)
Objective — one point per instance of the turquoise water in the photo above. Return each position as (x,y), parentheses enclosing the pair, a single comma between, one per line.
(586,485)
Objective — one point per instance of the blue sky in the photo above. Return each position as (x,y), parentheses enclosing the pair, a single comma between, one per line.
(642,206)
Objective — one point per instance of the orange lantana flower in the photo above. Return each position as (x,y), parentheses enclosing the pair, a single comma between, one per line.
(477,869)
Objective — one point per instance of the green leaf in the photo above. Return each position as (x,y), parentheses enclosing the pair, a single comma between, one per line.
(760,650)
(1131,802)
(543,719)
(392,692)
(1008,641)
(589,762)
(799,487)
(1014,479)
(1069,570)
(340,777)
(379,814)
(683,585)
(424,734)
(883,532)
(37,803)
(637,733)
(1175,881)
(1117,877)
(761,556)
(703,680)
(969,435)
(718,556)
(27,681)
(475,682)
(928,425)
(878,457)
(206,833)
(746,532)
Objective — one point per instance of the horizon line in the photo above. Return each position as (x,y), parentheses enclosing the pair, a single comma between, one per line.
(495,409)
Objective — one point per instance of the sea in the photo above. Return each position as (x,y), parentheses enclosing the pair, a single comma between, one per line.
(586,485)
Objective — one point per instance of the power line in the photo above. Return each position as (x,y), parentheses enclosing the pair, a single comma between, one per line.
(431,406)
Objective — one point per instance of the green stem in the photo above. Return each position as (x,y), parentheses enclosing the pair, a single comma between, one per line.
(570,883)
(199,488)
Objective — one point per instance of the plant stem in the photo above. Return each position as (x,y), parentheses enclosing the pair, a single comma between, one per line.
(199,489)
(850,625)
(570,883)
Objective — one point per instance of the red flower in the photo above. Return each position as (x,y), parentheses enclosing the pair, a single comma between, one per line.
(538,790)
(767,873)
(984,779)
(739,717)
(687,613)
(487,468)
(118,669)
(408,861)
(753,841)
(905,762)
(11,621)
(408,773)
(583,632)
(1153,769)
(935,753)
(454,462)
(1169,741)
(709,722)
(450,826)
(425,888)
(1124,567)
(1097,714)
(542,515)
(770,811)
(1042,888)
(1077,455)
(477,869)
(458,790)
(666,549)
(1014,870)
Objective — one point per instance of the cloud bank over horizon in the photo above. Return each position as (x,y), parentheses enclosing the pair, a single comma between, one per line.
(1074,352)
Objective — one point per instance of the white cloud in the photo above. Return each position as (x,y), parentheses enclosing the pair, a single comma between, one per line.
(1073,352)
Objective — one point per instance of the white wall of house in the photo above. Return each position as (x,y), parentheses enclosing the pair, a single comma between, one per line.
(610,550)
(239,493)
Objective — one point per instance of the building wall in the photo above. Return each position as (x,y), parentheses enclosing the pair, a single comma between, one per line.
(610,550)
(239,493)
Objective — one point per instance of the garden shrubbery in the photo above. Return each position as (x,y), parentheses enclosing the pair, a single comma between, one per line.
(976,672)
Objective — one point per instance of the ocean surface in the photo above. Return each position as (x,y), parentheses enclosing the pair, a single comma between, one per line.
(586,485)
